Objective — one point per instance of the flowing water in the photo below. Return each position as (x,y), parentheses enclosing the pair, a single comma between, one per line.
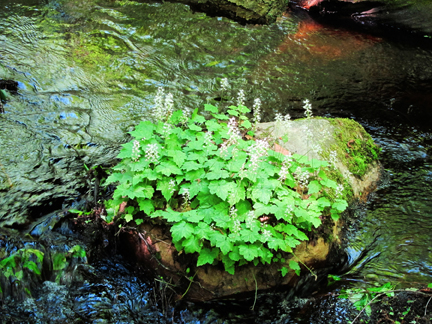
(88,72)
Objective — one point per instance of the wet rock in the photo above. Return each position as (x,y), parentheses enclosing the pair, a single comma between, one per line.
(9,85)
(249,11)
(152,248)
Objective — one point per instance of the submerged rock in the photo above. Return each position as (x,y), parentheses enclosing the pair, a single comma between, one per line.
(353,157)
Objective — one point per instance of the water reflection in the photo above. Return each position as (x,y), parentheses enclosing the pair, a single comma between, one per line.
(88,72)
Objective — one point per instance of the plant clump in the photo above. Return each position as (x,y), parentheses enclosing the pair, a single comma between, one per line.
(225,195)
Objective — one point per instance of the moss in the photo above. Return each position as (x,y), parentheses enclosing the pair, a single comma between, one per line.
(354,146)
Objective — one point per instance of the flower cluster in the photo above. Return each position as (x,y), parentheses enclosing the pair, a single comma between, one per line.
(307,106)
(288,212)
(256,151)
(224,84)
(135,151)
(208,137)
(282,120)
(241,97)
(250,218)
(164,105)
(152,153)
(286,164)
(339,190)
(186,115)
(171,186)
(186,197)
(234,134)
(166,130)
(257,111)
(266,235)
(302,177)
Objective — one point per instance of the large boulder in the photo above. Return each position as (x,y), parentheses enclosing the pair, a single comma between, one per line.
(353,156)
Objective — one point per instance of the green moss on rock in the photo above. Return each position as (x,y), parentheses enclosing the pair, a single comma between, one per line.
(354,146)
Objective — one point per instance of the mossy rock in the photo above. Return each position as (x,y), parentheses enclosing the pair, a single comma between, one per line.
(152,247)
(342,142)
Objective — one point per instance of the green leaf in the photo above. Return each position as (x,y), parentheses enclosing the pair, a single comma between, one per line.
(295,266)
(119,177)
(3,96)
(264,209)
(197,118)
(192,216)
(249,236)
(75,211)
(197,187)
(77,251)
(192,244)
(233,112)
(212,63)
(221,116)
(246,124)
(340,205)
(182,230)
(208,200)
(140,191)
(269,169)
(221,188)
(146,206)
(224,245)
(234,255)
(169,214)
(143,130)
(249,252)
(59,261)
(191,165)
(335,215)
(210,108)
(128,217)
(218,174)
(203,230)
(164,185)
(212,125)
(19,275)
(168,168)
(329,183)
(139,221)
(234,165)
(126,151)
(241,108)
(194,175)
(314,187)
(323,202)
(238,193)
(284,271)
(194,127)
(32,266)
(178,156)
(207,256)
(215,165)
(228,264)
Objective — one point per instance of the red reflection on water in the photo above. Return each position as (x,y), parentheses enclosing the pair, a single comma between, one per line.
(324,42)
(307,4)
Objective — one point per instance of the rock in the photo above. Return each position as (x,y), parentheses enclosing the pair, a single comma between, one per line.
(152,248)
(250,11)
(358,167)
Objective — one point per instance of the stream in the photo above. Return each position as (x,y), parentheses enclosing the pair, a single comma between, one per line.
(88,72)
